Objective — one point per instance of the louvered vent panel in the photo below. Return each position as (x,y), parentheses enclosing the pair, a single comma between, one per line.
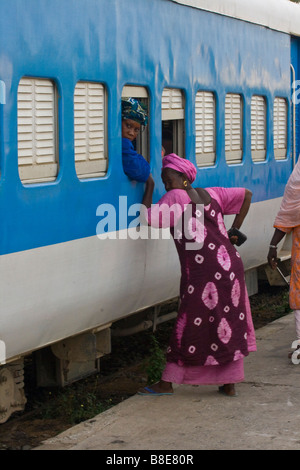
(89,129)
(37,139)
(205,128)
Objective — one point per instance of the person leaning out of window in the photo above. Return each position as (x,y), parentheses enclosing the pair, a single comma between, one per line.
(134,116)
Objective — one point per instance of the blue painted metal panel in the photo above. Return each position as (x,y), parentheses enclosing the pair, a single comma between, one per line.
(295,61)
(152,43)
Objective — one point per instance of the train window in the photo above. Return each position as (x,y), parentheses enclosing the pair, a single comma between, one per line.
(205,117)
(280,128)
(90,130)
(141,143)
(173,126)
(233,128)
(37,130)
(258,128)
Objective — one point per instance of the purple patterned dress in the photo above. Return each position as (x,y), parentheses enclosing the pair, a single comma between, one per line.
(213,331)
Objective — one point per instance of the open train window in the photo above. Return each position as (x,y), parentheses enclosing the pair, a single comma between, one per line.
(37,130)
(258,128)
(233,128)
(205,126)
(280,128)
(173,125)
(91,159)
(142,142)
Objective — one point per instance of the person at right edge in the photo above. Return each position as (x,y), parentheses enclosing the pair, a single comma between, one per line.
(288,221)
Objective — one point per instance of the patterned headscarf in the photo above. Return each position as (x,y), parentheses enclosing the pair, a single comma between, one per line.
(133,109)
(180,164)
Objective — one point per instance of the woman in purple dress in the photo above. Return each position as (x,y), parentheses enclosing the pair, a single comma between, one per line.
(213,331)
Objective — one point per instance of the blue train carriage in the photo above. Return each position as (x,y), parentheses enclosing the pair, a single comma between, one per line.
(216,78)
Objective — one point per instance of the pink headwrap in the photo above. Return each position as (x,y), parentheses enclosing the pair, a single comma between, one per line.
(180,164)
(289,212)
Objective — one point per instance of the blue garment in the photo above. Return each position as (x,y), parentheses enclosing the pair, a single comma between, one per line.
(134,164)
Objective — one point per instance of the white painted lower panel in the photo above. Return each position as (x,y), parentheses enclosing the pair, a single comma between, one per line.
(57,291)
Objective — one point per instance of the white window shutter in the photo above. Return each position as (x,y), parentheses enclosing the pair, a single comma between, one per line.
(258,128)
(205,128)
(37,130)
(172,104)
(280,128)
(89,130)
(233,128)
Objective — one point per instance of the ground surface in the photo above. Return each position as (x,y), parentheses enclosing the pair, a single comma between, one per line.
(49,412)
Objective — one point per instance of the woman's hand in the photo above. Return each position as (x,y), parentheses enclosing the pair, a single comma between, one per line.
(233,239)
(272,257)
(236,237)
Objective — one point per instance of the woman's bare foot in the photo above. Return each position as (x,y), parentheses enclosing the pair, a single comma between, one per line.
(228,389)
(159,388)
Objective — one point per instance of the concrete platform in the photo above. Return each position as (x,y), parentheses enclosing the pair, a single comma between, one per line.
(265,415)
